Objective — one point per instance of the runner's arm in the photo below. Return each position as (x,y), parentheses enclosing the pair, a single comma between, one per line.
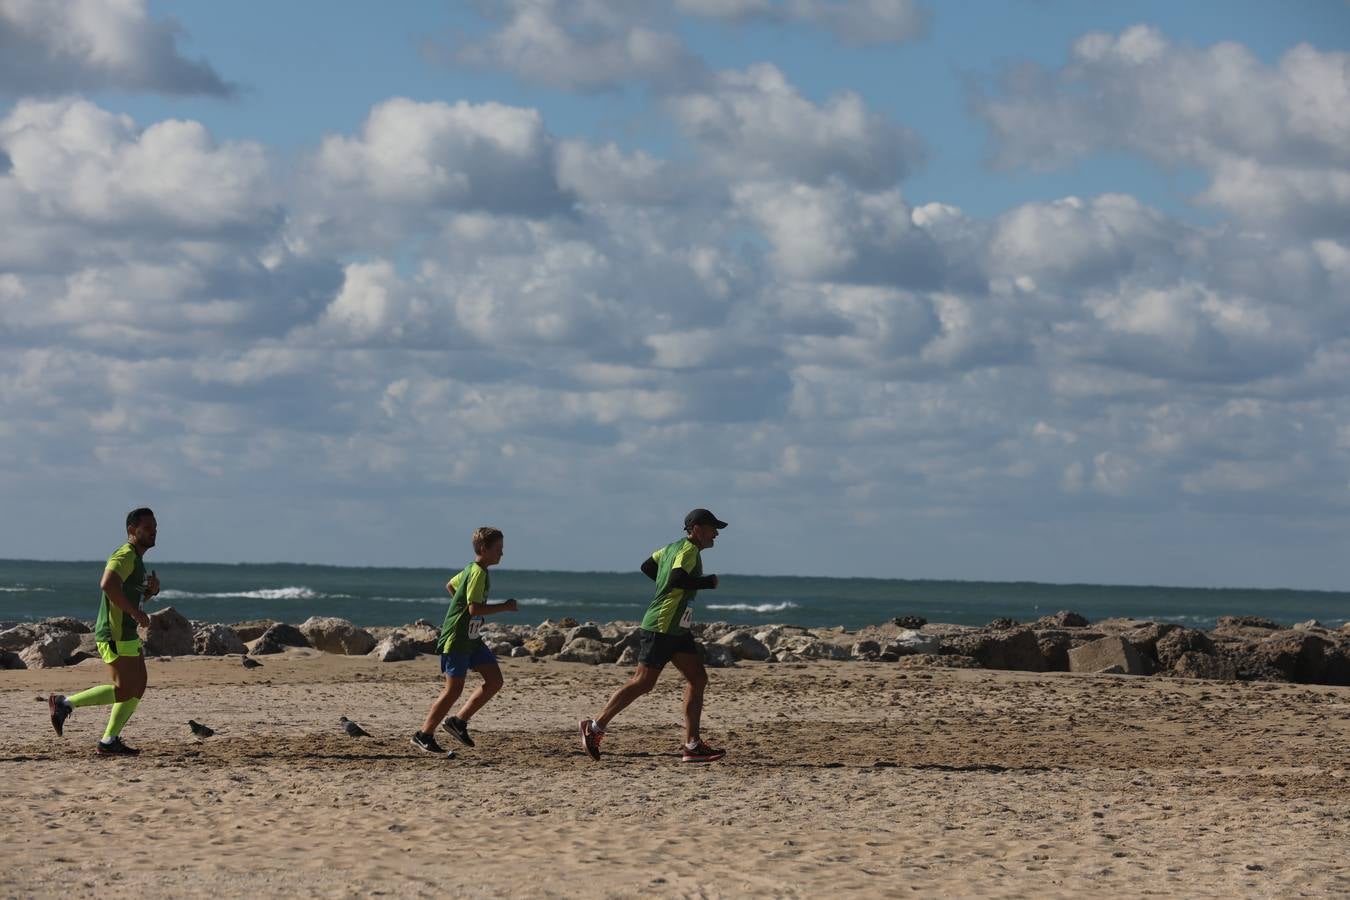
(681,579)
(649,568)
(487,609)
(111,583)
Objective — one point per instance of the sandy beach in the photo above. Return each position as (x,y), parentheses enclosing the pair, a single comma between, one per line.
(861,779)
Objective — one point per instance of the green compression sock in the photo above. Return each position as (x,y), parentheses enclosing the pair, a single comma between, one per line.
(94,696)
(120,713)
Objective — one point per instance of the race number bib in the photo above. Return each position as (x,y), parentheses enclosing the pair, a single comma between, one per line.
(475,627)
(688,618)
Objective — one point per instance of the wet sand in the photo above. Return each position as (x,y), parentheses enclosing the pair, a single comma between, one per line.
(862,779)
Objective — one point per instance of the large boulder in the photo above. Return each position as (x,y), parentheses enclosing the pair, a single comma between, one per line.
(333,635)
(63,623)
(588,630)
(1004,649)
(50,650)
(1227,623)
(744,645)
(1109,654)
(169,634)
(912,641)
(16,638)
(717,656)
(587,650)
(911,623)
(1300,655)
(1194,664)
(817,649)
(1145,640)
(278,638)
(217,640)
(546,643)
(11,660)
(253,629)
(395,647)
(1055,647)
(1178,642)
(1062,619)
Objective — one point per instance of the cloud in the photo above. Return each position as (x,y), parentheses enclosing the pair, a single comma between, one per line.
(857,22)
(755,125)
(1275,139)
(58,46)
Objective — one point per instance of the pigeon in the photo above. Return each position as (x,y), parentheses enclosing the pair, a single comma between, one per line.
(251,663)
(352,728)
(200,730)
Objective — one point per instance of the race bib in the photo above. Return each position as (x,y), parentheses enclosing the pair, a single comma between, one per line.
(475,626)
(688,618)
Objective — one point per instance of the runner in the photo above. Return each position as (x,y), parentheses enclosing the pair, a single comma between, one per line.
(461,646)
(677,570)
(125,586)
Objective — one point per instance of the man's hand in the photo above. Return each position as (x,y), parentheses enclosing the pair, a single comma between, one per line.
(714,581)
(511,605)
(141,618)
(151,586)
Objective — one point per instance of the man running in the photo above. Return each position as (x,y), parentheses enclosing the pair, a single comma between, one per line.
(125,587)
(665,636)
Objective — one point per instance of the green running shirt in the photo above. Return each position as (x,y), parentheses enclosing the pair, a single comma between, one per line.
(669,612)
(114,625)
(459,631)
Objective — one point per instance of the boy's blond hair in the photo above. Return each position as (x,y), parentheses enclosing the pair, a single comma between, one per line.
(485,537)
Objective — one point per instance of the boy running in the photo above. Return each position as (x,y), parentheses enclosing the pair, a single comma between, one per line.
(125,586)
(665,637)
(461,646)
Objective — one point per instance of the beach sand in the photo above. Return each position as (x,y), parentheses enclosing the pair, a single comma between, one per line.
(862,779)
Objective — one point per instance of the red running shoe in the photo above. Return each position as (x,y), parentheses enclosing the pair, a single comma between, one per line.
(591,738)
(701,752)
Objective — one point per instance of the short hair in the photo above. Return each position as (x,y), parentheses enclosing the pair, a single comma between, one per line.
(485,537)
(134,517)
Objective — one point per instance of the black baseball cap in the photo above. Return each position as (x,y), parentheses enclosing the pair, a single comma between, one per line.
(702,516)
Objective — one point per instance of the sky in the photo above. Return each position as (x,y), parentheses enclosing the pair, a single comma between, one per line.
(1003,290)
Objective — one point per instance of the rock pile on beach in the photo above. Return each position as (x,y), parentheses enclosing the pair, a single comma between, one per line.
(1246,648)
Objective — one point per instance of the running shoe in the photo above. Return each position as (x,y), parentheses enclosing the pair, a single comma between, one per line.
(426,742)
(701,752)
(115,748)
(60,710)
(591,738)
(459,728)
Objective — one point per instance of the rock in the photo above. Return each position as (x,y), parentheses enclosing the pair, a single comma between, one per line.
(395,648)
(817,649)
(252,630)
(425,637)
(1195,664)
(333,635)
(1003,623)
(744,645)
(938,661)
(589,630)
(1145,640)
(277,638)
(16,638)
(1055,646)
(169,634)
(774,635)
(217,640)
(913,623)
(1015,649)
(50,651)
(1229,622)
(11,660)
(867,649)
(1102,654)
(912,641)
(567,622)
(1338,666)
(546,644)
(717,656)
(1178,642)
(587,650)
(1062,619)
(1300,655)
(518,651)
(628,657)
(1310,624)
(63,624)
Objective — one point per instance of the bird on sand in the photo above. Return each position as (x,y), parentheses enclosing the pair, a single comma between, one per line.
(200,730)
(251,663)
(352,728)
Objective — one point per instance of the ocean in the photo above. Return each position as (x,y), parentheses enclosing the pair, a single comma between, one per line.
(32,590)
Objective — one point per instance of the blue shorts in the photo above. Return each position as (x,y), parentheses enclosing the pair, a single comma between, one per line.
(457,665)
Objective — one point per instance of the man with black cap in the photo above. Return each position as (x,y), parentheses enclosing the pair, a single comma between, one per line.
(665,636)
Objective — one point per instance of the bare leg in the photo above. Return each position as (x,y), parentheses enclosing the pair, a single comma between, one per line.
(643,680)
(449,694)
(128,677)
(492,683)
(696,679)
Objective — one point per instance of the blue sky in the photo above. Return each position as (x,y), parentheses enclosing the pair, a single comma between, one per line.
(1004,290)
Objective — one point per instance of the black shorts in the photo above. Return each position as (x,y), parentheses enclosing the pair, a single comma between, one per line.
(655,649)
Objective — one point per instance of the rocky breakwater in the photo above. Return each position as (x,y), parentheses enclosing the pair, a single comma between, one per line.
(1239,647)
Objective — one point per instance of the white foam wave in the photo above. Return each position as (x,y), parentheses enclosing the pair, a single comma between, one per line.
(23,589)
(285,593)
(754,607)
